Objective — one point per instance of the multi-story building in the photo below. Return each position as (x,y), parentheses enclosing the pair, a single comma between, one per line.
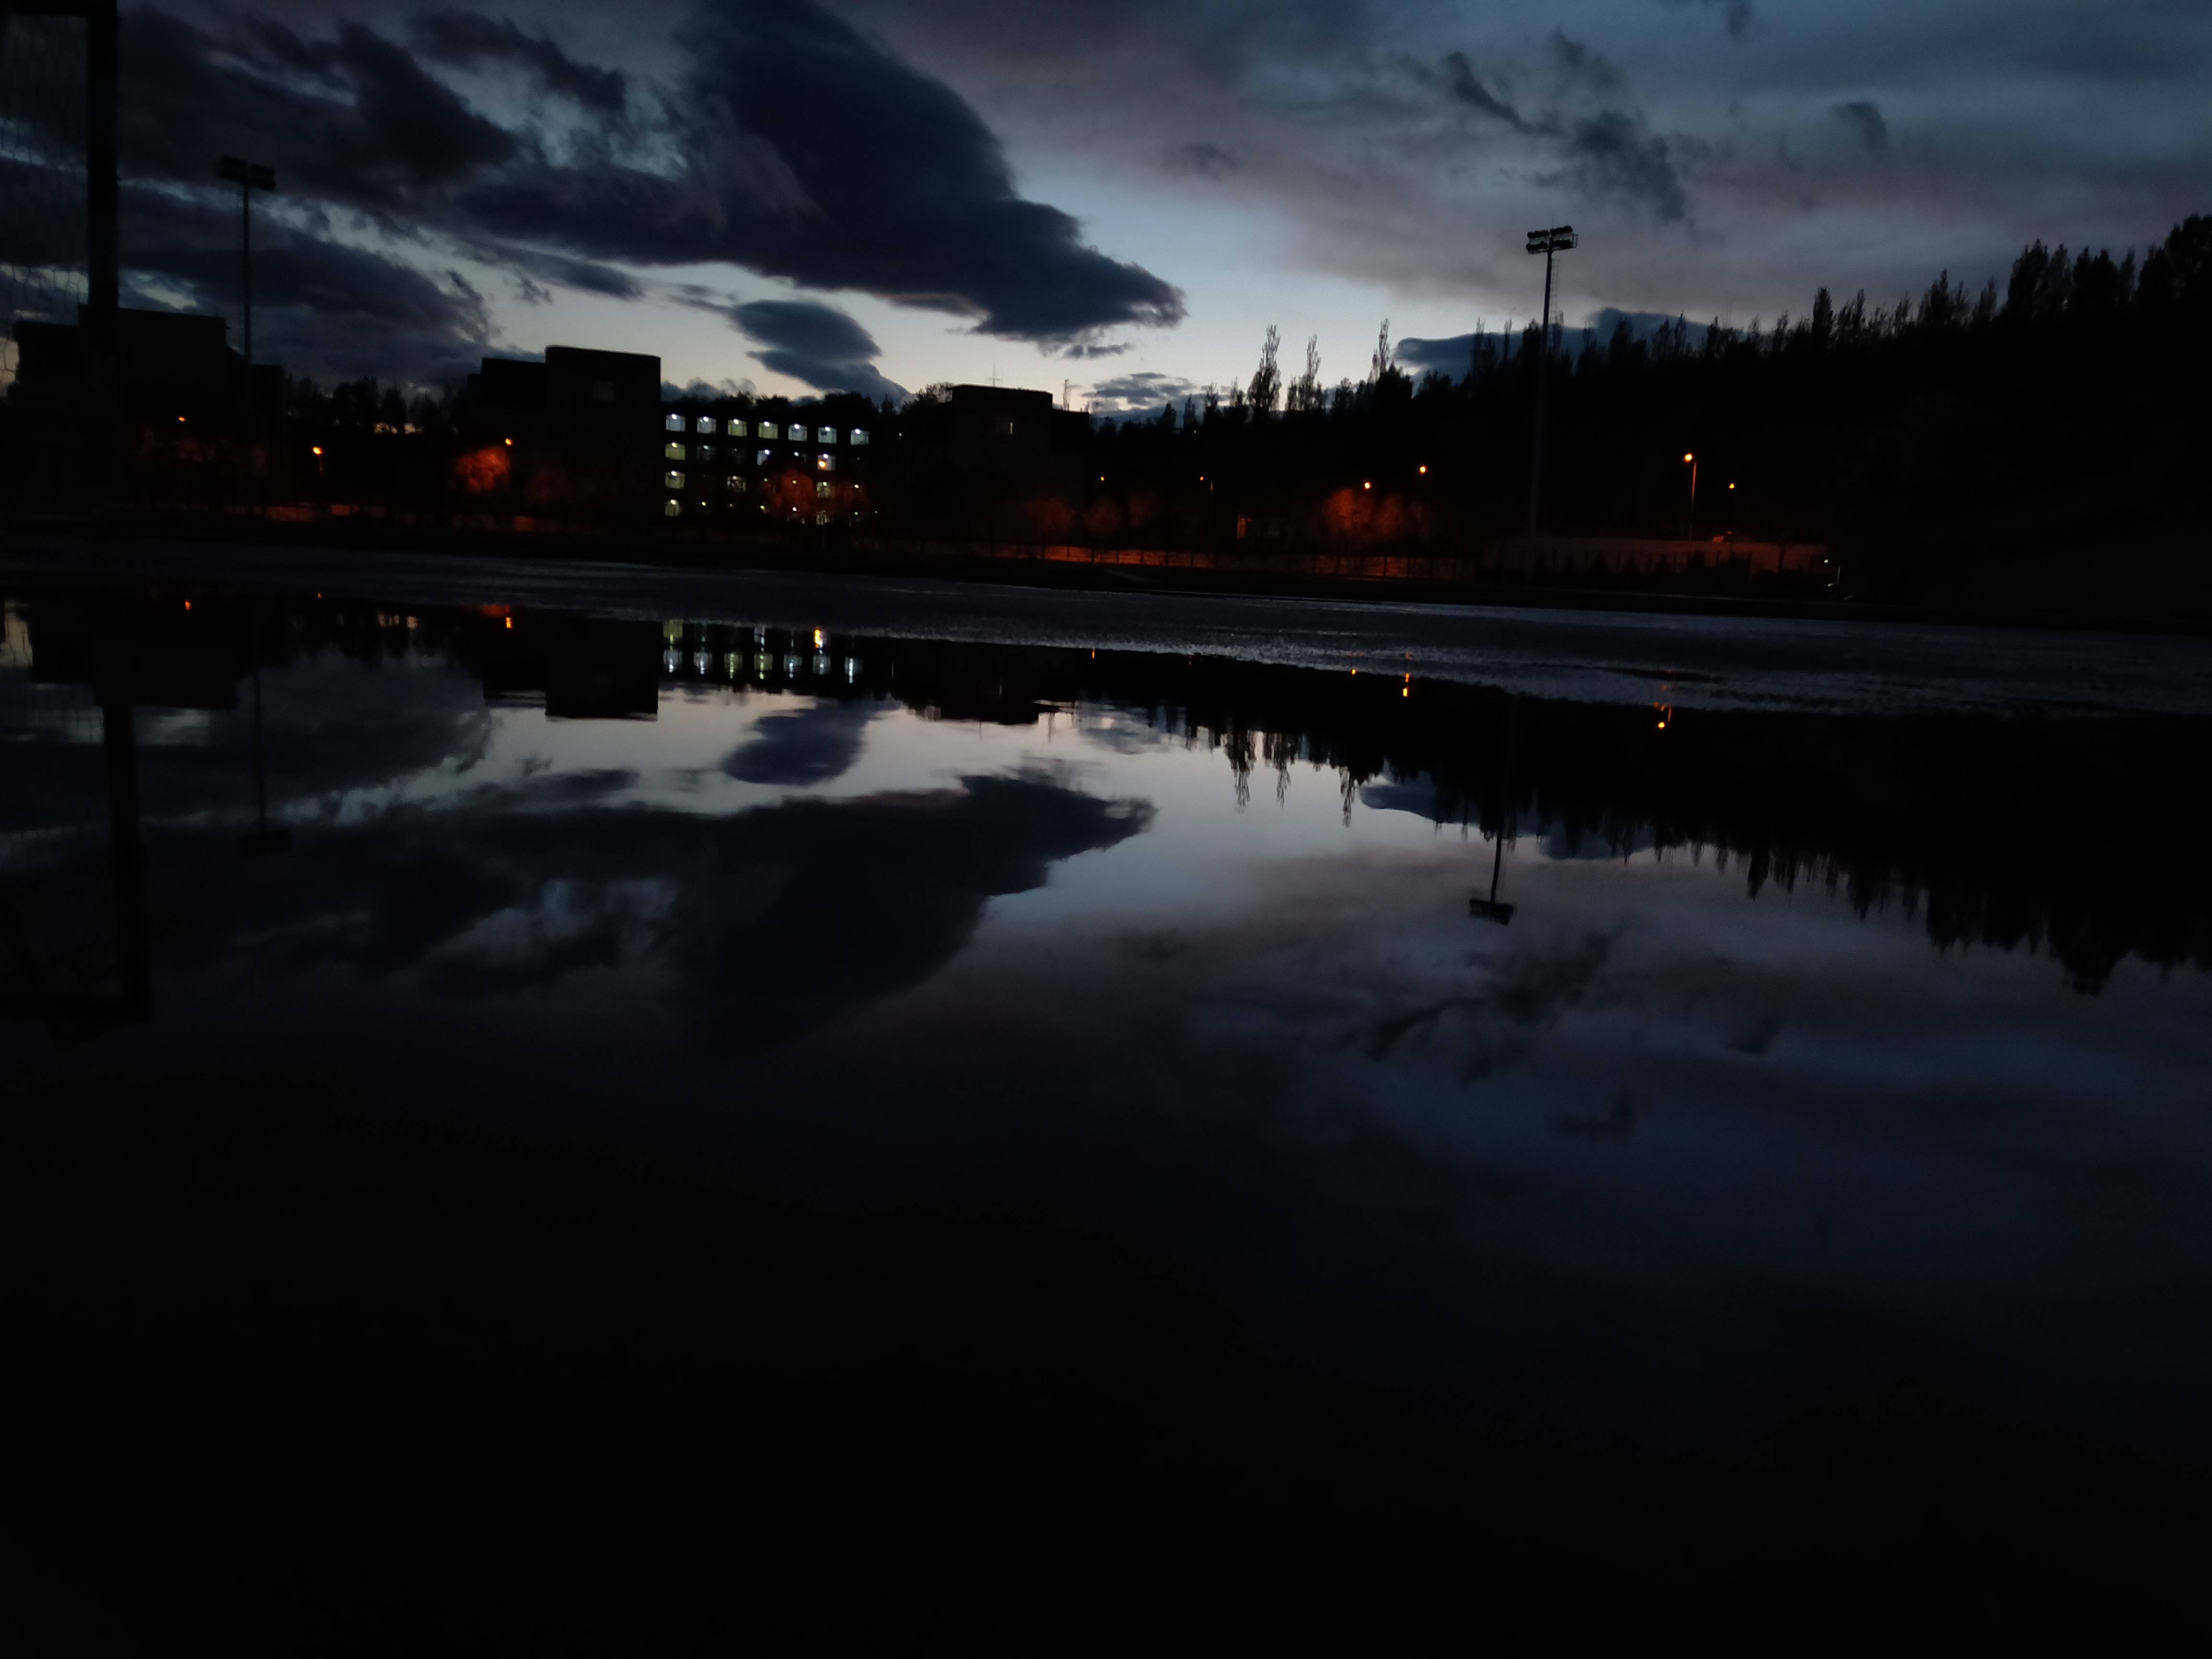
(569,437)
(740,466)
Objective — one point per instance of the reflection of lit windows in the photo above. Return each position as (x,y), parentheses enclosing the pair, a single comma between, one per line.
(674,509)
(822,488)
(825,463)
(674,480)
(798,434)
(730,665)
(860,438)
(699,660)
(821,663)
(761,458)
(822,518)
(669,659)
(760,665)
(851,669)
(790,667)
(706,423)
(672,452)
(675,424)
(737,483)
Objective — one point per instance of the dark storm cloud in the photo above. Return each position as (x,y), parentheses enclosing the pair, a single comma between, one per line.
(817,346)
(1611,152)
(1469,88)
(903,193)
(787,143)
(469,39)
(324,308)
(1578,65)
(1863,116)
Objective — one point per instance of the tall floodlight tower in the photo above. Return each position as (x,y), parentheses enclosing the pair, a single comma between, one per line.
(1558,239)
(248,176)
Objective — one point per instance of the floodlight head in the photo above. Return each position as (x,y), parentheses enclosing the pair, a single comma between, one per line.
(1557,240)
(237,171)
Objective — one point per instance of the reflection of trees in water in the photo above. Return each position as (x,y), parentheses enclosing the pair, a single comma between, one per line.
(1972,826)
(1969,825)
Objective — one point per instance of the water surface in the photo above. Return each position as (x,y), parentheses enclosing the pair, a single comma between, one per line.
(1633,1056)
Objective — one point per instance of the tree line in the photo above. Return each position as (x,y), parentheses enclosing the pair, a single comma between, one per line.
(2046,431)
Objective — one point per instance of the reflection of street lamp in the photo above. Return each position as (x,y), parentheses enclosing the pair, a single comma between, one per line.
(263,840)
(1691,461)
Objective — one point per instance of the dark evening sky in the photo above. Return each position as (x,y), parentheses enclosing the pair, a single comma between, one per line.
(1120,194)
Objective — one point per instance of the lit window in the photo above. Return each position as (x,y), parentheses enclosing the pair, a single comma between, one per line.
(673,481)
(674,509)
(825,463)
(798,434)
(763,457)
(706,423)
(676,423)
(672,452)
(822,518)
(860,438)
(737,430)
(737,483)
(829,434)
(822,488)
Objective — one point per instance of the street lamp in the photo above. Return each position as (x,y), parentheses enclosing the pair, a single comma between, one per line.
(1691,461)
(248,176)
(1557,240)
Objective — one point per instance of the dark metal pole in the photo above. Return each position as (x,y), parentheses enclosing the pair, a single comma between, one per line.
(1543,375)
(126,849)
(102,197)
(246,276)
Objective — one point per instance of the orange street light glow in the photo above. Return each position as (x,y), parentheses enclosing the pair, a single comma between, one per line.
(1367,484)
(1687,459)
(510,621)
(317,449)
(509,442)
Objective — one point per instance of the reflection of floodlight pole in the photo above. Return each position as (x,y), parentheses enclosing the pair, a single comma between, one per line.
(263,839)
(1491,909)
(1557,240)
(1691,461)
(248,176)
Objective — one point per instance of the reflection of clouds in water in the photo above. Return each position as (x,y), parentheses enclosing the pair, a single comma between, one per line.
(1526,994)
(1123,734)
(765,923)
(803,746)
